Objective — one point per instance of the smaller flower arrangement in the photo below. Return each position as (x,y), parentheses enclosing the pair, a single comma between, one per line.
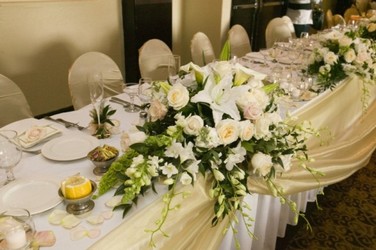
(367,30)
(342,54)
(105,127)
(219,121)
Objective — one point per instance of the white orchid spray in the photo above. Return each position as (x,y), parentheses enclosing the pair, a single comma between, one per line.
(219,121)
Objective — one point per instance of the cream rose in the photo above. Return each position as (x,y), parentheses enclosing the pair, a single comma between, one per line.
(157,110)
(330,58)
(178,96)
(228,131)
(247,130)
(371,27)
(194,125)
(127,139)
(345,41)
(261,163)
(350,56)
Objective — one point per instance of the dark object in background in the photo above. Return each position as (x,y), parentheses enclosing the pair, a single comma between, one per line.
(317,18)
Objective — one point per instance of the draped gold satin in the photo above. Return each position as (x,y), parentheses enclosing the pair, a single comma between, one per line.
(188,227)
(354,140)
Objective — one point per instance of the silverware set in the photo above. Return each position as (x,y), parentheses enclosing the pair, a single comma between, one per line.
(125,104)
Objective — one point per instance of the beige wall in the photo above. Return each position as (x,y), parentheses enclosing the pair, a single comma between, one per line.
(41,39)
(190,16)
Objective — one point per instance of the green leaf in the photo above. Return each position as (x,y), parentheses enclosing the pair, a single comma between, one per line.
(226,52)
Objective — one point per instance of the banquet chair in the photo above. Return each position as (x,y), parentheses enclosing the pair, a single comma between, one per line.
(239,41)
(91,62)
(153,59)
(338,20)
(202,51)
(13,103)
(279,29)
(352,11)
(329,19)
(362,5)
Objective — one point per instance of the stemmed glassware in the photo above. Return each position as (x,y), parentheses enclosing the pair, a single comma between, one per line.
(145,89)
(17,229)
(132,92)
(10,153)
(95,83)
(173,68)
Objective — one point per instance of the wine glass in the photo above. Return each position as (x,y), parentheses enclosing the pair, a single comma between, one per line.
(132,92)
(10,153)
(145,89)
(17,229)
(173,68)
(96,92)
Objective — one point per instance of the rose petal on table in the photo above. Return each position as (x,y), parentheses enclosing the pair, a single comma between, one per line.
(95,219)
(114,201)
(107,214)
(70,221)
(78,233)
(44,239)
(94,233)
(57,216)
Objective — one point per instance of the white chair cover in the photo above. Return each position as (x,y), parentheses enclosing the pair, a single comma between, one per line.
(239,41)
(338,20)
(329,19)
(362,5)
(153,59)
(93,62)
(350,12)
(13,103)
(202,51)
(279,29)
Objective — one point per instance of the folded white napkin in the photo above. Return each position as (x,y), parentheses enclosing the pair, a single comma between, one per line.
(36,134)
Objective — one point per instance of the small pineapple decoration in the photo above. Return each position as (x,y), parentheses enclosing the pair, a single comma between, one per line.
(102,129)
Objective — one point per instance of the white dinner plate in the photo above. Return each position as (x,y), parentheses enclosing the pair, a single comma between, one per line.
(36,196)
(69,147)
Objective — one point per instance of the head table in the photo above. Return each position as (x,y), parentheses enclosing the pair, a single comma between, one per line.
(353,139)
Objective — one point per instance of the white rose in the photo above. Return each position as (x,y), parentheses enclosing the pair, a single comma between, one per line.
(185,179)
(330,58)
(247,130)
(194,125)
(350,56)
(157,110)
(127,139)
(261,163)
(35,133)
(371,27)
(228,131)
(345,41)
(252,111)
(178,96)
(262,127)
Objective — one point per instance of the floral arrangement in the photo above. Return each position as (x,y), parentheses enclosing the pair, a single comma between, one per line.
(342,54)
(219,121)
(367,30)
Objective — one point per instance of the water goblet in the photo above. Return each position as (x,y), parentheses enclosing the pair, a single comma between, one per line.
(95,83)
(10,153)
(173,68)
(17,229)
(265,54)
(132,92)
(145,89)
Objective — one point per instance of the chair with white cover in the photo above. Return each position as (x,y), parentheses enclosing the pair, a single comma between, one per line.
(92,62)
(279,29)
(202,51)
(153,60)
(239,41)
(352,11)
(329,19)
(338,20)
(13,103)
(362,5)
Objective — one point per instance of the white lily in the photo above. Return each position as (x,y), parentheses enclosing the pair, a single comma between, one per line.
(221,97)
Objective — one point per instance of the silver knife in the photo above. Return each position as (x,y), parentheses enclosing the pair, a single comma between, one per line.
(67,124)
(123,102)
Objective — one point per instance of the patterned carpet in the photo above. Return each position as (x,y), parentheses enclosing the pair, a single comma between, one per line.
(347,219)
